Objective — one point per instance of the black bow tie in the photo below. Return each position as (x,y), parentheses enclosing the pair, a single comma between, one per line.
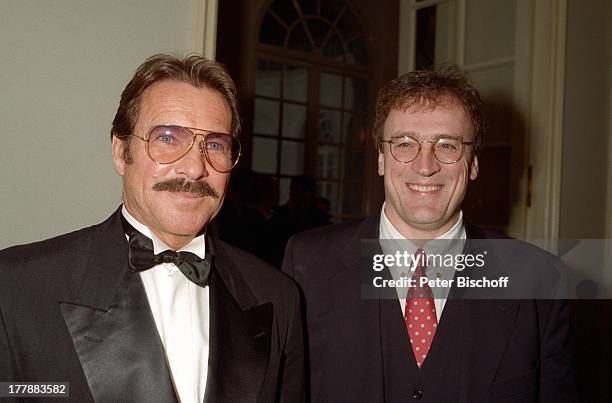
(141,257)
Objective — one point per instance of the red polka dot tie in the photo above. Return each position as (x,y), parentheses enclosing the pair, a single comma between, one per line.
(420,313)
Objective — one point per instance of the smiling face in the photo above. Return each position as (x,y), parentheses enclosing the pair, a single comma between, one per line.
(174,216)
(423,197)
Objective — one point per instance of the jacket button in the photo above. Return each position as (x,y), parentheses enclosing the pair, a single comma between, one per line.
(417,394)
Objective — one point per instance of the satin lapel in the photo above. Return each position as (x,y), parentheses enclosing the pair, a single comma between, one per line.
(113,329)
(240,335)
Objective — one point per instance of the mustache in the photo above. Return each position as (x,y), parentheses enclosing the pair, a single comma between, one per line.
(183,185)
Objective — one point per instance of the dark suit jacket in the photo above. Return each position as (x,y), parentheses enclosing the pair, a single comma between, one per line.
(70,310)
(483,351)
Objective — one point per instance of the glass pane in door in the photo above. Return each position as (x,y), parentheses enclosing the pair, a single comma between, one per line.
(264,154)
(435,35)
(354,130)
(295,86)
(266,116)
(268,79)
(292,158)
(294,121)
(328,162)
(329,126)
(329,191)
(487,19)
(330,90)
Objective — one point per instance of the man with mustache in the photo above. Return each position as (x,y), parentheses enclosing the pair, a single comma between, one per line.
(148,306)
(435,343)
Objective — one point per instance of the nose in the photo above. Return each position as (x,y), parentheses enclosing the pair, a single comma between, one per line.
(426,164)
(193,165)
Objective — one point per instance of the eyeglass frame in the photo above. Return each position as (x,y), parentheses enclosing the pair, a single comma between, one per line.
(146,139)
(433,147)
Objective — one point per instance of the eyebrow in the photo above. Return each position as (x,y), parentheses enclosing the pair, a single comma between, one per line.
(416,136)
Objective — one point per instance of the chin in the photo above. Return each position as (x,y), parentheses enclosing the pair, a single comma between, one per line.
(185,224)
(424,216)
(428,223)
(185,232)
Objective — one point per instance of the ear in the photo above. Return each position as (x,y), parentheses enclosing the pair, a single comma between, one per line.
(474,168)
(381,164)
(118,154)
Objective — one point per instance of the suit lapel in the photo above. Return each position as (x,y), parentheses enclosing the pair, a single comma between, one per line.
(483,326)
(359,319)
(349,305)
(112,326)
(240,338)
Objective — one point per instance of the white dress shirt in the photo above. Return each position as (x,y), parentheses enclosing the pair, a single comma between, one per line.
(394,241)
(181,312)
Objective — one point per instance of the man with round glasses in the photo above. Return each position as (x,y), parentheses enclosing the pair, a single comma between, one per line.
(148,306)
(420,341)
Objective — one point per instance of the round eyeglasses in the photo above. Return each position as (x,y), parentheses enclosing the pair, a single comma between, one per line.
(166,144)
(447,150)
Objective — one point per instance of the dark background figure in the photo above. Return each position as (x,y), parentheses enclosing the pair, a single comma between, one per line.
(321,203)
(303,211)
(252,220)
(228,223)
(256,233)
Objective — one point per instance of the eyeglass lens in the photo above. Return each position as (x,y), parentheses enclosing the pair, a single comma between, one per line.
(446,149)
(169,143)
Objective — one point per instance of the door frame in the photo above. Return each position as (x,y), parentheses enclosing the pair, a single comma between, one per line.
(204,27)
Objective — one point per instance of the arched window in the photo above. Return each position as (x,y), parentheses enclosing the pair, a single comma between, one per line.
(310,100)
(322,27)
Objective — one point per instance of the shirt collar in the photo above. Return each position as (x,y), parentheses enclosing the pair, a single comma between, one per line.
(197,245)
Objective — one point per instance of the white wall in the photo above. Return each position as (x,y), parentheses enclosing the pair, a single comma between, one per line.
(63,66)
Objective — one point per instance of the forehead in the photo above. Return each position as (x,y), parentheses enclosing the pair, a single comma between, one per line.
(447,117)
(177,102)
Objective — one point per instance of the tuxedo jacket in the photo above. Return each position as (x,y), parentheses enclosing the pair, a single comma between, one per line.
(498,350)
(71,311)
